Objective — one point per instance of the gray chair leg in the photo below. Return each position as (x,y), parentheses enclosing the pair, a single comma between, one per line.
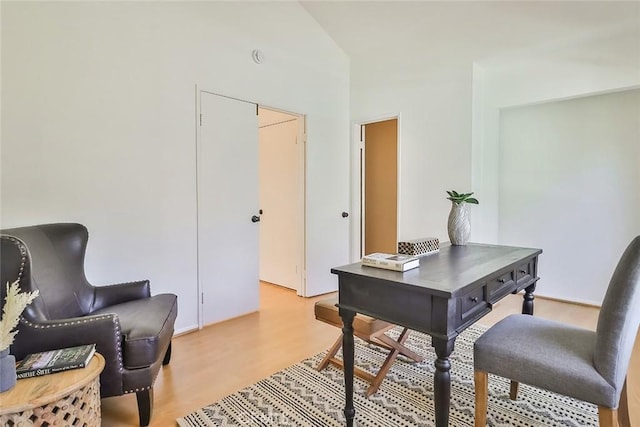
(167,356)
(145,406)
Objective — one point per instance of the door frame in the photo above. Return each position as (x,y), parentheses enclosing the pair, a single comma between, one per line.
(302,135)
(357,181)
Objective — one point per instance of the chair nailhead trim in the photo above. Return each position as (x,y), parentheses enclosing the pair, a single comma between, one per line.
(61,324)
(137,390)
(23,252)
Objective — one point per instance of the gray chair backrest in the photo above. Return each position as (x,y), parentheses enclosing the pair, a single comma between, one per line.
(619,318)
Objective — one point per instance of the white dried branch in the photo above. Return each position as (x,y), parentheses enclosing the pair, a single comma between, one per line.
(15,303)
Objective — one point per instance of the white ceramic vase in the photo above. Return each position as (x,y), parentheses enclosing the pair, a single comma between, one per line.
(459,224)
(7,370)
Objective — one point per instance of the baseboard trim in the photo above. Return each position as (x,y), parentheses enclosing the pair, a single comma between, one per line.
(575,302)
(184,331)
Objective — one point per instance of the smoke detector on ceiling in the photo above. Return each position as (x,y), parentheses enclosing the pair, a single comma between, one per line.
(257,56)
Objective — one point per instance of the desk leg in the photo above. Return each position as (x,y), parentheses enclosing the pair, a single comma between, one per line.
(527,304)
(347,357)
(442,380)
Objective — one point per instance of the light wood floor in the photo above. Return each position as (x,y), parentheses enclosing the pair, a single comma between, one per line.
(222,358)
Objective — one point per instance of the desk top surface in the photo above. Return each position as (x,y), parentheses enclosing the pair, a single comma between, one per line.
(450,269)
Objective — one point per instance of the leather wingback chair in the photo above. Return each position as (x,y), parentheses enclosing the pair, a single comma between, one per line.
(130,328)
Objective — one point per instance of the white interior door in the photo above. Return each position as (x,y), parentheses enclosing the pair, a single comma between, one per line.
(281,199)
(228,248)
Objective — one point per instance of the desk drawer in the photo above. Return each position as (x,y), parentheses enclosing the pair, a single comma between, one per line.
(524,272)
(472,302)
(501,286)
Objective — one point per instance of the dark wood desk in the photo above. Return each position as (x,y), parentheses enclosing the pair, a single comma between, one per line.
(450,291)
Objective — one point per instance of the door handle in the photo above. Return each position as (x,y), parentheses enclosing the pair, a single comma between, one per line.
(255,218)
(345,214)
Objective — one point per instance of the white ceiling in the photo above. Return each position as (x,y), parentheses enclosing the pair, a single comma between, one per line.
(467,31)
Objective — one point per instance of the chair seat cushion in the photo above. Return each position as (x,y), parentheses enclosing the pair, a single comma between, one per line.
(147,328)
(363,326)
(545,354)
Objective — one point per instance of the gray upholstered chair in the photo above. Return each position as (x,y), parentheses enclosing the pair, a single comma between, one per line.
(583,364)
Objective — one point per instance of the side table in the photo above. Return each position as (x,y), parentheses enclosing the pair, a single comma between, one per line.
(65,398)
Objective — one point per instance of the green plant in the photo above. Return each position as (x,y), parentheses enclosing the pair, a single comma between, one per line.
(458,198)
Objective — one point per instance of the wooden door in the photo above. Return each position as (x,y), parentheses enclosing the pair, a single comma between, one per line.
(381,187)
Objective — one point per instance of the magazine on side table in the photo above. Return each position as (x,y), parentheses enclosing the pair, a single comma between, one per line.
(49,362)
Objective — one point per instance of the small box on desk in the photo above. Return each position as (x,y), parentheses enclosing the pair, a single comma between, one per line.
(417,247)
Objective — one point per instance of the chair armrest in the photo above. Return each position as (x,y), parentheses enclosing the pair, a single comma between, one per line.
(105,296)
(104,330)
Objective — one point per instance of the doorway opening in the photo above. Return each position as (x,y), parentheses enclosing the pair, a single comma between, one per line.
(281,189)
(236,150)
(377,186)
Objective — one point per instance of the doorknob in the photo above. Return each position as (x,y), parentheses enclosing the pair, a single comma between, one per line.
(345,214)
(255,218)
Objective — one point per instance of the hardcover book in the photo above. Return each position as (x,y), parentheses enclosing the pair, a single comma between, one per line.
(49,362)
(396,262)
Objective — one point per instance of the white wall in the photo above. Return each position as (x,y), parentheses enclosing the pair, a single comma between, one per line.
(604,64)
(450,123)
(98,125)
(569,175)
(434,104)
(587,67)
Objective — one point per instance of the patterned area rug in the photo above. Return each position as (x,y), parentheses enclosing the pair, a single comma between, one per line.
(301,396)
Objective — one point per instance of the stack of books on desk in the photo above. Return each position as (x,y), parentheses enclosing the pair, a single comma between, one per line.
(396,262)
